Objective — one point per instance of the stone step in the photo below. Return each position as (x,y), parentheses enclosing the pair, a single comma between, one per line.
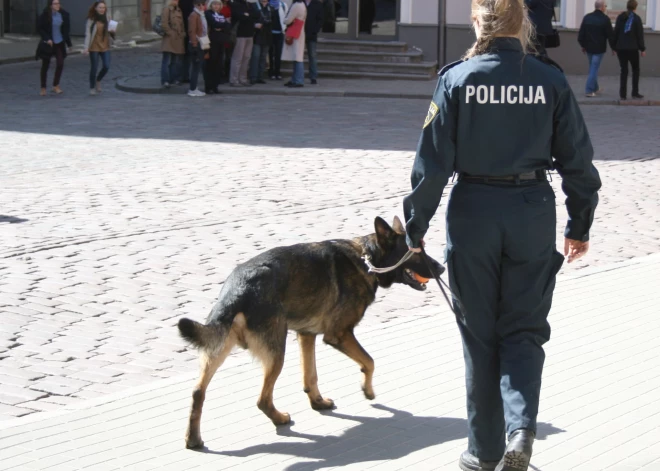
(371,75)
(423,69)
(363,46)
(412,56)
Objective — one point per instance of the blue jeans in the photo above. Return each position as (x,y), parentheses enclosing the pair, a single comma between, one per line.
(196,60)
(94,59)
(170,68)
(594,65)
(258,62)
(313,60)
(298,73)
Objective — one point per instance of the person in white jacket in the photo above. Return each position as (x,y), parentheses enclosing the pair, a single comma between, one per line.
(296,50)
(280,9)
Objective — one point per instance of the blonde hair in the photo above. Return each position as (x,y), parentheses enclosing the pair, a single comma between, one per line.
(500,18)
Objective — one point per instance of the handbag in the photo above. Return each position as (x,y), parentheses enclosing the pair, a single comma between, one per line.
(293,31)
(44,51)
(553,40)
(205,43)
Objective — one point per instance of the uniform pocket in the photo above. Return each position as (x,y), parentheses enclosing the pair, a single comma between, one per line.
(542,194)
(555,265)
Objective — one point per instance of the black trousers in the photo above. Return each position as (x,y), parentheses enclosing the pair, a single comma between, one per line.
(215,66)
(275,55)
(502,263)
(59,52)
(624,58)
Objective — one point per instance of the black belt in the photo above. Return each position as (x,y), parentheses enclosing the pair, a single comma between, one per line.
(538,175)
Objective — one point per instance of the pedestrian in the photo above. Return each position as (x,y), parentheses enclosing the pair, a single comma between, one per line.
(54,27)
(541,13)
(628,42)
(313,24)
(279,10)
(367,16)
(97,44)
(244,18)
(263,39)
(595,32)
(219,29)
(173,45)
(329,16)
(295,51)
(229,45)
(501,219)
(187,7)
(197,34)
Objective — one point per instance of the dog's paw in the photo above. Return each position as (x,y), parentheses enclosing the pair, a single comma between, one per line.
(322,403)
(194,443)
(281,418)
(369,393)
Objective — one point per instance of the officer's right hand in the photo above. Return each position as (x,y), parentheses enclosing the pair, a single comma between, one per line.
(575,249)
(417,249)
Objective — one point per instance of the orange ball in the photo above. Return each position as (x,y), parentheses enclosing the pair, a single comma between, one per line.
(421,279)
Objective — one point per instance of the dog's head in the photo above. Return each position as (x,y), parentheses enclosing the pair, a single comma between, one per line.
(391,247)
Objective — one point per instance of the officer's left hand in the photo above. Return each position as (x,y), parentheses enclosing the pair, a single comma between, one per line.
(575,249)
(417,249)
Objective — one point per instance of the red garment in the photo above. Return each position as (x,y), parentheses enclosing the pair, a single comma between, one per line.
(226,12)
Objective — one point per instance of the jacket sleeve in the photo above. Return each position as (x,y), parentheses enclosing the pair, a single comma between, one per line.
(43,30)
(88,34)
(192,29)
(165,21)
(434,163)
(617,32)
(610,34)
(573,155)
(66,29)
(582,40)
(319,19)
(640,34)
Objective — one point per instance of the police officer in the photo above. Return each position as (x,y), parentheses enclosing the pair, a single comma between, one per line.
(499,119)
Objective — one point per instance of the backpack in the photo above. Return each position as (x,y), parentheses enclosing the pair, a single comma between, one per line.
(158,27)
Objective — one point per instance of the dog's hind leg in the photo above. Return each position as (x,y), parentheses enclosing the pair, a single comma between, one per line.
(209,364)
(310,377)
(269,348)
(346,343)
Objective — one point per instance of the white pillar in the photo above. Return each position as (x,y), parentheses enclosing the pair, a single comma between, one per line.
(406,11)
(653,15)
(569,14)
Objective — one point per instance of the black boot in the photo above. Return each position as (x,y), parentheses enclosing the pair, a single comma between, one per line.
(518,451)
(469,462)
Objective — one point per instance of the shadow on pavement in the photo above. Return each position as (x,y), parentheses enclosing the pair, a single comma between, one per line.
(372,439)
(11,219)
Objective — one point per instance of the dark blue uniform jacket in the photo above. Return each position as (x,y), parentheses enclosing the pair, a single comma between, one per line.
(503,113)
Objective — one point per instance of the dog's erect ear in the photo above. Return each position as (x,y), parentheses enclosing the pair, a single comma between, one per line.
(384,233)
(398,226)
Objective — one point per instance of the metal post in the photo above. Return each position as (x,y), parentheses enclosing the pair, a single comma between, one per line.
(442,33)
(353,15)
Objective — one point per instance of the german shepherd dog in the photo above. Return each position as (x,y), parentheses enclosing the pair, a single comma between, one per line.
(316,288)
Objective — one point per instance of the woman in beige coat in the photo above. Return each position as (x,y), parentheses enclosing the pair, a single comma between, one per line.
(174,46)
(296,51)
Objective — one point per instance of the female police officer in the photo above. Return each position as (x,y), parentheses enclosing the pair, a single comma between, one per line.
(499,119)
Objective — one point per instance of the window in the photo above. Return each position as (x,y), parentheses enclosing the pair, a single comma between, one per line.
(557,18)
(615,7)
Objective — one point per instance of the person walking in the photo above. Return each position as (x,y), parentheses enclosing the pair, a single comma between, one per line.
(219,29)
(173,44)
(499,119)
(97,44)
(541,13)
(244,17)
(54,27)
(628,42)
(313,24)
(295,51)
(263,39)
(279,10)
(197,32)
(595,32)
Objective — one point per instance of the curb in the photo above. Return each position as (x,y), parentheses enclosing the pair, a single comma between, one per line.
(124,85)
(18,60)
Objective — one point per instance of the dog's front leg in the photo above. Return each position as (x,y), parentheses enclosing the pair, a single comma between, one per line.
(346,343)
(310,377)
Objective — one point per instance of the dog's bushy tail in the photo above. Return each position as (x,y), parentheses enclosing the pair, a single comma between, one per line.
(210,337)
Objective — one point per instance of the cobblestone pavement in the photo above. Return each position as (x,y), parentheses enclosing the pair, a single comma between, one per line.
(120,213)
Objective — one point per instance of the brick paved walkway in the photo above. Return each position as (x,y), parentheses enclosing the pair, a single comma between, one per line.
(118,216)
(599,408)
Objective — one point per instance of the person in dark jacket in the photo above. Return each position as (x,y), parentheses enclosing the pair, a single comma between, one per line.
(263,39)
(628,42)
(245,19)
(279,10)
(219,32)
(595,31)
(54,27)
(541,13)
(313,25)
(187,7)
(329,16)
(367,15)
(501,253)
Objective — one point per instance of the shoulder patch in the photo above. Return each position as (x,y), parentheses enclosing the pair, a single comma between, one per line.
(548,61)
(433,110)
(444,70)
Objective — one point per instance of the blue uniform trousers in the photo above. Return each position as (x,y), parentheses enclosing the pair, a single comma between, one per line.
(502,264)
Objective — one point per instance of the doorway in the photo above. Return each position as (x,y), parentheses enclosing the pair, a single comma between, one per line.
(146,14)
(375,20)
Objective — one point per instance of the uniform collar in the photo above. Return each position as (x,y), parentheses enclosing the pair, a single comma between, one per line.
(505,44)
